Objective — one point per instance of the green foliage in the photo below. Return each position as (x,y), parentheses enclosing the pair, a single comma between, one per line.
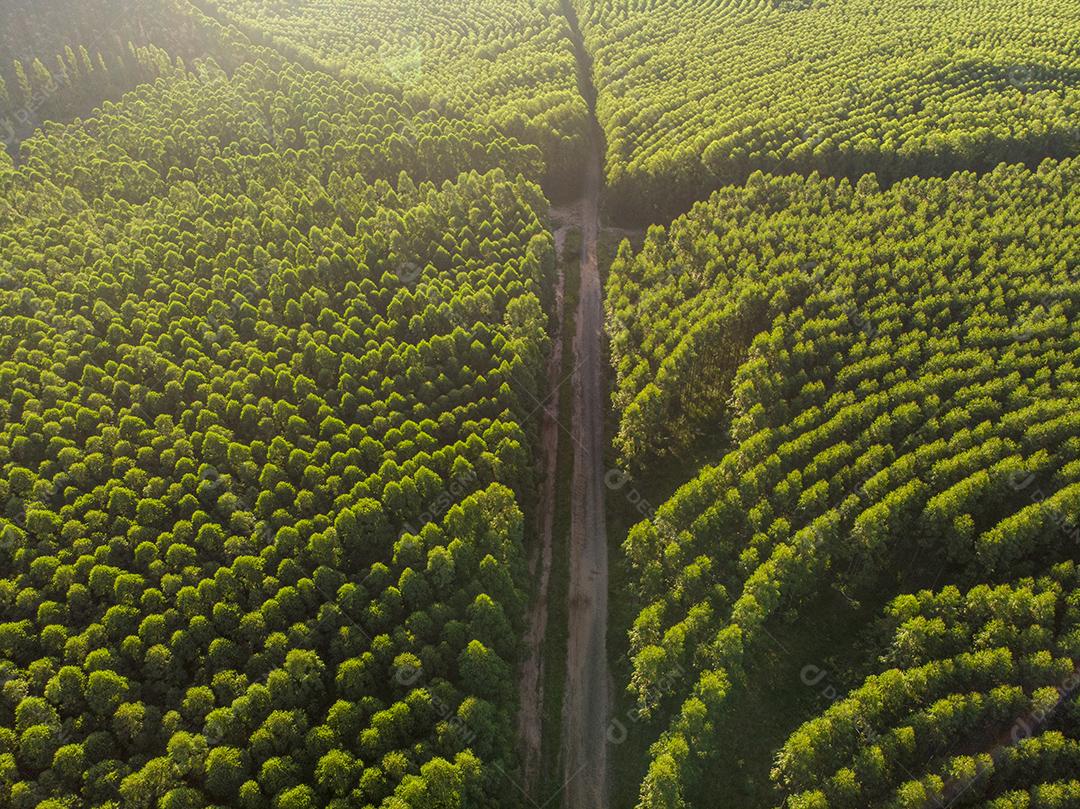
(980,702)
(505,62)
(693,95)
(270,341)
(705,299)
(64,58)
(889,375)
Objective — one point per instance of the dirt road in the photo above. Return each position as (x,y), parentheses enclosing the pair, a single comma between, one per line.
(587,707)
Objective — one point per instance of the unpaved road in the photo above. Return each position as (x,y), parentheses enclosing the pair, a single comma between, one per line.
(531,681)
(587,706)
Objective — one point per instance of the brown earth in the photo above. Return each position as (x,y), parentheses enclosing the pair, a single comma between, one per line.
(587,706)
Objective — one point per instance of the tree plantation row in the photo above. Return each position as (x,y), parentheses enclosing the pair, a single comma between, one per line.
(278,298)
(65,60)
(271,345)
(693,95)
(505,62)
(991,669)
(700,94)
(907,415)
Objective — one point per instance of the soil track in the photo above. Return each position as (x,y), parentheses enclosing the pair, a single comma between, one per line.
(587,706)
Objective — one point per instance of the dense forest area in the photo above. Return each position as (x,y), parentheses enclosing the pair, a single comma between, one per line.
(67,58)
(270,347)
(307,309)
(506,62)
(907,416)
(694,95)
(966,666)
